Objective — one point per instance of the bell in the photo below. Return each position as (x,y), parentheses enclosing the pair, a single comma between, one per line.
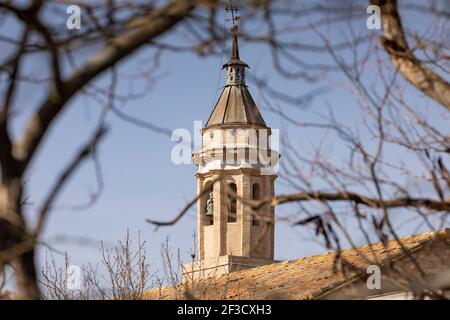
(209,205)
(209,213)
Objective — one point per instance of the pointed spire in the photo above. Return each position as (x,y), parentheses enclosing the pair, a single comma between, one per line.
(235,105)
(235,67)
(234,47)
(234,60)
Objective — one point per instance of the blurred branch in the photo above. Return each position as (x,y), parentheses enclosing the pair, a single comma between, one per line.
(396,46)
(138,33)
(63,178)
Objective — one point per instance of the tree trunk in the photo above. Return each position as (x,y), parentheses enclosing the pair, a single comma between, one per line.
(25,275)
(16,245)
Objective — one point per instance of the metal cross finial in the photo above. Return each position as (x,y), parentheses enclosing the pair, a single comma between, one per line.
(233,9)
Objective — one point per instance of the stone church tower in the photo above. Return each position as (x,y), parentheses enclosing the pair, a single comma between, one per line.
(235,167)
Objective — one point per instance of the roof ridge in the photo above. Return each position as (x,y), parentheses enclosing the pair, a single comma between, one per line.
(226,105)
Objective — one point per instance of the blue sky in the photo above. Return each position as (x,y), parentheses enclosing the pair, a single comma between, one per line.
(139,177)
(140,180)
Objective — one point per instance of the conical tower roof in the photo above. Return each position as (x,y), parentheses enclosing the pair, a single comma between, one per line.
(235,104)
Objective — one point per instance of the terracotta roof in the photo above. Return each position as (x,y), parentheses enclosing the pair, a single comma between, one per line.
(305,278)
(235,106)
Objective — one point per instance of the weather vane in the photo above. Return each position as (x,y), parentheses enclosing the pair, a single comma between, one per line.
(233,9)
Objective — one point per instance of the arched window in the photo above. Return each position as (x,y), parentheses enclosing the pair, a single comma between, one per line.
(208,214)
(256,195)
(232,202)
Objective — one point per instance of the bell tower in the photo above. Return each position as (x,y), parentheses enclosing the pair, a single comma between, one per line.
(235,170)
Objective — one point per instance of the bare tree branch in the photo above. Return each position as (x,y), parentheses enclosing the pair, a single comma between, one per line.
(63,178)
(396,45)
(139,32)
